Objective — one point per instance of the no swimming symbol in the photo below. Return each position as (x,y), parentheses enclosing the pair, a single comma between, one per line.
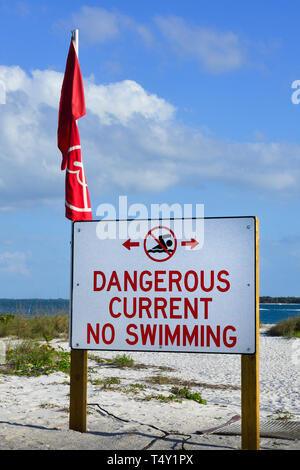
(160,244)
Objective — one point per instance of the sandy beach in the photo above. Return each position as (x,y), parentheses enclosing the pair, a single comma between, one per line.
(129,414)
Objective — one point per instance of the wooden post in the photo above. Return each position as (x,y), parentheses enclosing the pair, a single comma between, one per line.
(250,379)
(78,390)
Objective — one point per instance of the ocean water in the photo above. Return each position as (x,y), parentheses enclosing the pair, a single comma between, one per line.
(34,306)
(269,313)
(273,313)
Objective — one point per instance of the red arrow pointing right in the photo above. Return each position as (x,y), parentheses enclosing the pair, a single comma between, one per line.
(192,243)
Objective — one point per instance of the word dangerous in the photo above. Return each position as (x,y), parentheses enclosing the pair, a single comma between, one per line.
(162,281)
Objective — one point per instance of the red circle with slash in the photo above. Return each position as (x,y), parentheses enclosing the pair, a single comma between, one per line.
(160,245)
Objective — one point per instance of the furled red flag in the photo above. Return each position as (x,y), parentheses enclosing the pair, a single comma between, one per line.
(71,108)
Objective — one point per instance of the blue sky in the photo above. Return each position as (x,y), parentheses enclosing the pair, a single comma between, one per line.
(187,102)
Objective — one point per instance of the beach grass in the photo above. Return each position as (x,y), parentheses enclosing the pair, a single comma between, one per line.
(121,360)
(37,327)
(106,382)
(31,358)
(188,395)
(290,328)
(177,394)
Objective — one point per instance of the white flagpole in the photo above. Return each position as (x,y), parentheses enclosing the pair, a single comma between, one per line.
(75,39)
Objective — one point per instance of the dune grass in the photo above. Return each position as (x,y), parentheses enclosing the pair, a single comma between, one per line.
(290,328)
(31,358)
(37,327)
(33,353)
(178,394)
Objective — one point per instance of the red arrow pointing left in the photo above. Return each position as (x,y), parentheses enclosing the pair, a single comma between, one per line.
(192,243)
(128,244)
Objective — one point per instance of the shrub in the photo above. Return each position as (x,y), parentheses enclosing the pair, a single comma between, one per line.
(121,361)
(6,317)
(31,358)
(187,394)
(107,382)
(177,394)
(290,327)
(116,361)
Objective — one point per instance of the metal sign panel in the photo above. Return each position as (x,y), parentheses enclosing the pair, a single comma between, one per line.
(164,291)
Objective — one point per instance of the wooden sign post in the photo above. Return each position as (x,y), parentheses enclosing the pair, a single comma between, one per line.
(78,390)
(250,379)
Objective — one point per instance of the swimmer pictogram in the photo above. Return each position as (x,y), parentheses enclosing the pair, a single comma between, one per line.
(160,244)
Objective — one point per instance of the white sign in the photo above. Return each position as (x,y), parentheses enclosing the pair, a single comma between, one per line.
(163,292)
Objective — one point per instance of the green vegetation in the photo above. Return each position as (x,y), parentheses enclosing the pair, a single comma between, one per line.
(97,359)
(37,327)
(122,361)
(32,359)
(107,382)
(188,395)
(137,386)
(29,356)
(161,397)
(290,327)
(282,415)
(161,380)
(177,394)
(116,361)
(5,318)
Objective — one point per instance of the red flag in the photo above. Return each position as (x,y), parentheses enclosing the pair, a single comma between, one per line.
(71,108)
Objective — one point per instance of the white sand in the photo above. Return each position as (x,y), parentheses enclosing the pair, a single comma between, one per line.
(34,410)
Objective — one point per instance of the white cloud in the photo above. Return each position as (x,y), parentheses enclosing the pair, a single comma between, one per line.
(14,263)
(131,141)
(124,100)
(217,51)
(98,25)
